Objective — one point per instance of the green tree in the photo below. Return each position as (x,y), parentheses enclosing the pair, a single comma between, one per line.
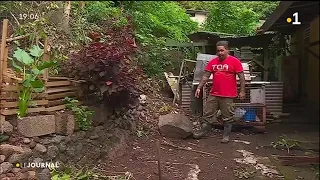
(155,22)
(197,5)
(262,8)
(229,17)
(161,19)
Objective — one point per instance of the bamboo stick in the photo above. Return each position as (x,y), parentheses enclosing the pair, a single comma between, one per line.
(3,47)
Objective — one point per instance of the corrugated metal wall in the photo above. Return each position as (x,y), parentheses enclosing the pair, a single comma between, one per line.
(274,94)
(186,90)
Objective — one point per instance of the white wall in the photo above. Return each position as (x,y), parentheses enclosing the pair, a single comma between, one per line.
(200,18)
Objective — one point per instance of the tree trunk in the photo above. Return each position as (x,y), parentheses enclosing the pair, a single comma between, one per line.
(66,19)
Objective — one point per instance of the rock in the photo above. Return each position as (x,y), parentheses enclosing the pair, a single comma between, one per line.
(134,112)
(175,126)
(79,147)
(15,170)
(46,141)
(94,137)
(98,130)
(15,157)
(32,144)
(81,134)
(142,99)
(142,115)
(7,149)
(21,176)
(57,139)
(40,148)
(5,167)
(53,151)
(140,108)
(2,158)
(26,140)
(32,175)
(71,152)
(37,139)
(65,124)
(37,160)
(62,147)
(67,139)
(44,174)
(7,127)
(74,138)
(2,176)
(37,125)
(10,175)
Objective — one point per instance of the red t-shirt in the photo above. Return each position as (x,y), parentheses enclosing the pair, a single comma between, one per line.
(224,83)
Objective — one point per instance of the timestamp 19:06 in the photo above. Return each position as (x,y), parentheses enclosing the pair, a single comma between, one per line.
(28,16)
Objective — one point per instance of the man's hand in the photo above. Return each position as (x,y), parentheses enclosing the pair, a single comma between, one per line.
(205,78)
(197,94)
(242,95)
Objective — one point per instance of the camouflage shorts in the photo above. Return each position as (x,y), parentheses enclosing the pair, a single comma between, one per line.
(214,104)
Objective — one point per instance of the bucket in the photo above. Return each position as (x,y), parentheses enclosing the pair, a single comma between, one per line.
(250,115)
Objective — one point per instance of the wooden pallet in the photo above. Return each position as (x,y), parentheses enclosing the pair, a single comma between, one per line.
(52,99)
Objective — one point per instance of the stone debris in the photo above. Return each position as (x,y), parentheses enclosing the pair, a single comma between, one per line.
(250,159)
(240,141)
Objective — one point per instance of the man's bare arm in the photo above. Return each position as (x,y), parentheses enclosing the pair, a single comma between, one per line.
(204,79)
(242,81)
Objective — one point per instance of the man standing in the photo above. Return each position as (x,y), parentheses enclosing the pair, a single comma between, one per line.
(224,89)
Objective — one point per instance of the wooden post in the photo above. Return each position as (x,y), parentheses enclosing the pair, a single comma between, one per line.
(265,63)
(3,49)
(3,62)
(178,83)
(45,58)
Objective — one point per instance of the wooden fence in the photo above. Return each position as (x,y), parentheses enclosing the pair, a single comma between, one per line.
(51,99)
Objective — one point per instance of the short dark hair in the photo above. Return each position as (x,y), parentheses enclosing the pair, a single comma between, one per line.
(223,43)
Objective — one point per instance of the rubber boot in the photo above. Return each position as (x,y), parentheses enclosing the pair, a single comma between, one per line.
(226,133)
(205,128)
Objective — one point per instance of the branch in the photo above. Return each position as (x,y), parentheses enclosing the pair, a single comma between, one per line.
(186,149)
(15,18)
(17,38)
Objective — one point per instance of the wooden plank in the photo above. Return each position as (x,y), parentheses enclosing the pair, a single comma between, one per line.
(292,160)
(14,95)
(58,83)
(58,78)
(9,87)
(56,102)
(55,108)
(5,104)
(60,89)
(61,95)
(7,112)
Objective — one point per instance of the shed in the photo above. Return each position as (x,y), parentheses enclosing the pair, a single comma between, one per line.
(300,69)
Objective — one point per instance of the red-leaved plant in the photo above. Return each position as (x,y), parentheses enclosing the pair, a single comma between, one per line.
(105,63)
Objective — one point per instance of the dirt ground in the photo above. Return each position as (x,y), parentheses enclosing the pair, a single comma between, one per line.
(140,156)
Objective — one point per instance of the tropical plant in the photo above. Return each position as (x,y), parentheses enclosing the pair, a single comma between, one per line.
(32,66)
(82,114)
